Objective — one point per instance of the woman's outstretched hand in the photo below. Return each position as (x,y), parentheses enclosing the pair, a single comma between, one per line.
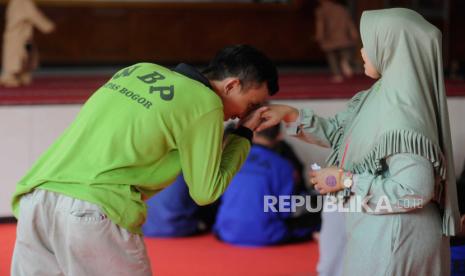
(277,113)
(253,120)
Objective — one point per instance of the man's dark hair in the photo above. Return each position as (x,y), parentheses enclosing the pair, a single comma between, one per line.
(246,63)
(270,133)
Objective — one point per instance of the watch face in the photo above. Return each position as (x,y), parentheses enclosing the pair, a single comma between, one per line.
(347,182)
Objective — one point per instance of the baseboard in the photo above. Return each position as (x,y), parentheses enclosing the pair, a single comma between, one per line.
(8,220)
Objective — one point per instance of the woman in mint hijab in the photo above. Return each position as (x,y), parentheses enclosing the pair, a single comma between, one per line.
(392,148)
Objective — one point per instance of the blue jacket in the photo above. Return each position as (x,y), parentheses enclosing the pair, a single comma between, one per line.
(241,218)
(172,212)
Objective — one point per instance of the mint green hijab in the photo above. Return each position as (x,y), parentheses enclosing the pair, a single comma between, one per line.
(406,110)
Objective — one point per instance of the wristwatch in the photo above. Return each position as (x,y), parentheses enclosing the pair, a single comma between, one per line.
(347,183)
(347,180)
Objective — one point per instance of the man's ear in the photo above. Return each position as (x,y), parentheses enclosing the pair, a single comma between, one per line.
(231,84)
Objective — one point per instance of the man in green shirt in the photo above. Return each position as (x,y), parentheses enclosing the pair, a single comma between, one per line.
(81,206)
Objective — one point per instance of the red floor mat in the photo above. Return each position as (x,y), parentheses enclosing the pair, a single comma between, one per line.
(204,255)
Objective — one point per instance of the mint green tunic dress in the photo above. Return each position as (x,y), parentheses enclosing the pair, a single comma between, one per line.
(396,140)
(405,241)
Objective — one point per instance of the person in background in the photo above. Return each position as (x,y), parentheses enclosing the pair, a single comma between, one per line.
(20,55)
(173,213)
(301,218)
(284,149)
(241,217)
(337,37)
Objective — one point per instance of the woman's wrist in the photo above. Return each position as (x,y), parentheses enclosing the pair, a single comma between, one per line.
(347,183)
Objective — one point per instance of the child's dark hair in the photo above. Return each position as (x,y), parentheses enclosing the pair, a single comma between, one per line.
(271,133)
(246,63)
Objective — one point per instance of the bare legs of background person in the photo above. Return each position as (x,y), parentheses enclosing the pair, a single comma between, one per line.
(346,60)
(30,64)
(24,77)
(342,64)
(333,62)
(9,80)
(15,80)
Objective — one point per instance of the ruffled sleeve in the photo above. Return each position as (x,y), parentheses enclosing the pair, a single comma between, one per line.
(326,132)
(406,184)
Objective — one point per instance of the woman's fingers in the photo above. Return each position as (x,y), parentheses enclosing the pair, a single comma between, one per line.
(320,189)
(270,117)
(252,121)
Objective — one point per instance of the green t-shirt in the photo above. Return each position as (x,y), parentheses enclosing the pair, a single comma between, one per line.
(131,139)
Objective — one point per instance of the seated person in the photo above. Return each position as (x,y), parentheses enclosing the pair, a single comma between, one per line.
(173,213)
(287,152)
(302,218)
(241,218)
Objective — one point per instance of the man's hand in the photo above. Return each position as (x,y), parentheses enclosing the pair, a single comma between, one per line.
(326,180)
(253,120)
(276,114)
